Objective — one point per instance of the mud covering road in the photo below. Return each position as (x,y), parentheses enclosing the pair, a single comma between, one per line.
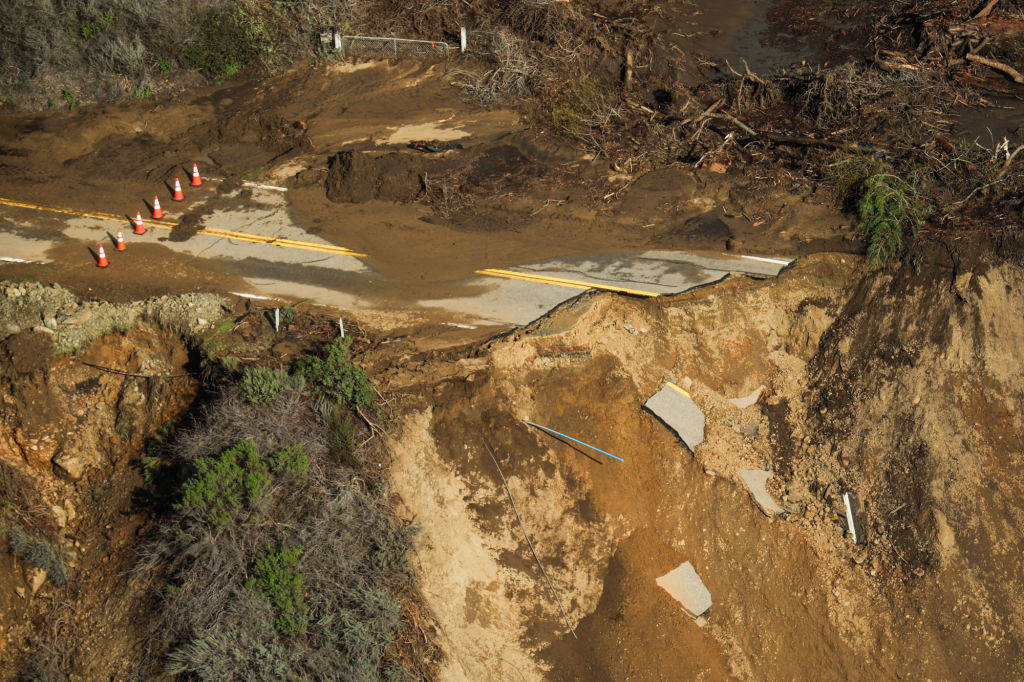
(518,202)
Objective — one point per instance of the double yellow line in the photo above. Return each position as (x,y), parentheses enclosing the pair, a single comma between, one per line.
(558,281)
(211,231)
(323,248)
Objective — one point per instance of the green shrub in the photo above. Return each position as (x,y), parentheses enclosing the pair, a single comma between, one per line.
(849,169)
(276,577)
(336,376)
(261,386)
(221,486)
(244,607)
(69,98)
(287,315)
(888,208)
(289,460)
(38,553)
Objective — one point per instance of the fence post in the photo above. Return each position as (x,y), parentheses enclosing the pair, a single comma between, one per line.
(395,40)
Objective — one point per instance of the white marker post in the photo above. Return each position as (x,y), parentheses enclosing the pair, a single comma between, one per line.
(341,327)
(851,521)
(277,320)
(462,35)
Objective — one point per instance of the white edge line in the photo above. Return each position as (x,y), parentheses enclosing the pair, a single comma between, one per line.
(849,517)
(261,298)
(9,259)
(768,260)
(259,186)
(460,326)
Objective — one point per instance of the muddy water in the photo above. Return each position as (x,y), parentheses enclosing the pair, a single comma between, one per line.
(1004,118)
(730,30)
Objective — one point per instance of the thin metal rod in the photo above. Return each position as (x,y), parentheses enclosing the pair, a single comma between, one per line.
(574,440)
(526,535)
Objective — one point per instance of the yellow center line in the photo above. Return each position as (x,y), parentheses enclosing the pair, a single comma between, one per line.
(211,231)
(559,281)
(511,274)
(681,390)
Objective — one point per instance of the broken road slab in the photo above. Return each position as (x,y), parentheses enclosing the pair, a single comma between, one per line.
(676,408)
(757,483)
(687,588)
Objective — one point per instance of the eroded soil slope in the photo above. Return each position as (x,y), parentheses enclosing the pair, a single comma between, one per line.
(899,387)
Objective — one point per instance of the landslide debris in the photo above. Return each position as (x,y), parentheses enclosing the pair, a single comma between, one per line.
(900,387)
(356,177)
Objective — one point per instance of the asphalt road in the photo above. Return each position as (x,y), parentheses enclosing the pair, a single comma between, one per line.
(258,240)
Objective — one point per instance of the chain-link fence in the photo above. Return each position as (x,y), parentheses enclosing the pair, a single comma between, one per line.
(367,47)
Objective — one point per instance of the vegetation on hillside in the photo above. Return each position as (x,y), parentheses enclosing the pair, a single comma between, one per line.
(284,559)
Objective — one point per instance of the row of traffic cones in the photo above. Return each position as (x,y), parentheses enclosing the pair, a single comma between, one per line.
(178,194)
(158,213)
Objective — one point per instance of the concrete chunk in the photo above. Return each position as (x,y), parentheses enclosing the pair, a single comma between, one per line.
(687,588)
(674,406)
(748,400)
(757,482)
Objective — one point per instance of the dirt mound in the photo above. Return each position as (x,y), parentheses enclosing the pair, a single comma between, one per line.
(501,168)
(355,177)
(26,353)
(267,129)
(912,412)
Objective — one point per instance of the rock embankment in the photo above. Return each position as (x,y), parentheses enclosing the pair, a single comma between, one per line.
(73,323)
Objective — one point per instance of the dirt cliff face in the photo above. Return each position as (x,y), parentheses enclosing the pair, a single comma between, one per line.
(73,429)
(898,387)
(915,401)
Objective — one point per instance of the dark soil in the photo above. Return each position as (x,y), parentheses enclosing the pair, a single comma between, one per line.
(355,177)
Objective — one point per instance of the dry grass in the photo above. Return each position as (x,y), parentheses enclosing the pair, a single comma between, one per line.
(353,557)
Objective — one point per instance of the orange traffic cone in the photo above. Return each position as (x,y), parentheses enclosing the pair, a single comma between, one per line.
(196,180)
(139,228)
(120,241)
(157,212)
(178,194)
(102,262)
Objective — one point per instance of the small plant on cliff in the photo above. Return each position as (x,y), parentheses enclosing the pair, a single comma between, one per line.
(339,379)
(290,460)
(38,553)
(888,209)
(277,578)
(221,486)
(262,386)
